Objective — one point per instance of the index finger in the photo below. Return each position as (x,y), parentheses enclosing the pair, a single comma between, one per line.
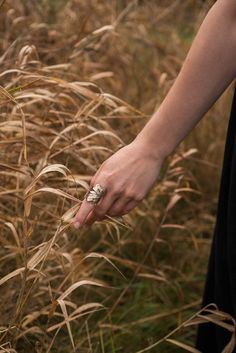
(85,208)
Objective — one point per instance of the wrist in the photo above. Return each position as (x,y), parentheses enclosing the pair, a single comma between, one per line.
(153,150)
(158,136)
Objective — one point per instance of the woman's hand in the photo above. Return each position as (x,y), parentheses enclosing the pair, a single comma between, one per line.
(128,175)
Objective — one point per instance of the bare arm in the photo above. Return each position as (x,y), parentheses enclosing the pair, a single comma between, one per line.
(209,67)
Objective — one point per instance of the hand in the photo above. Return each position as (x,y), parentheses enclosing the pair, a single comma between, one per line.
(128,175)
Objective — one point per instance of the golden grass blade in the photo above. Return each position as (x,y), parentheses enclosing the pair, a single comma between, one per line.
(14,232)
(28,319)
(103,29)
(183,345)
(85,307)
(178,158)
(64,131)
(87,137)
(174,199)
(7,350)
(64,311)
(79,284)
(38,257)
(57,192)
(230,347)
(101,75)
(31,330)
(221,314)
(8,95)
(11,275)
(60,168)
(76,314)
(188,190)
(151,276)
(101,256)
(177,226)
(214,319)
(69,214)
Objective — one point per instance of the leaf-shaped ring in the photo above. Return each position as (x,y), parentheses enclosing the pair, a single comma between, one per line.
(95,193)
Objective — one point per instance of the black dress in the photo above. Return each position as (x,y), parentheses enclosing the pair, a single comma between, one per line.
(220,286)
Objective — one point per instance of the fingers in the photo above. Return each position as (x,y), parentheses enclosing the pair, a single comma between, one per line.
(130,205)
(116,201)
(118,208)
(88,209)
(99,214)
(85,208)
(121,206)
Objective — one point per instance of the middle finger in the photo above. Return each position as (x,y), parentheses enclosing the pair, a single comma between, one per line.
(101,208)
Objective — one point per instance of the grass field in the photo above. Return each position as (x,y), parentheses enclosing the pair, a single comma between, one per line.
(79,79)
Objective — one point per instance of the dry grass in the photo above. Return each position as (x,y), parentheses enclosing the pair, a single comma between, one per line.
(78,81)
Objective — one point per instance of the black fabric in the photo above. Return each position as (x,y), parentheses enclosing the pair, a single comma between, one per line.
(220,285)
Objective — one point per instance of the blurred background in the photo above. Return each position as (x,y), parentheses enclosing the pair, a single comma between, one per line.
(79,79)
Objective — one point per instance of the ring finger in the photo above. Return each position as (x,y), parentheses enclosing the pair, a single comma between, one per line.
(121,207)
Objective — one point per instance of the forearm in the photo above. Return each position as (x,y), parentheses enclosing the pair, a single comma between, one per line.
(209,68)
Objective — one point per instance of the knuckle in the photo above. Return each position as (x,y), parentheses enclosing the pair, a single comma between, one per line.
(116,190)
(103,178)
(130,194)
(134,196)
(139,197)
(107,177)
(112,213)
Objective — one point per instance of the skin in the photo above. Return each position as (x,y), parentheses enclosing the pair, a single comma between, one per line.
(208,69)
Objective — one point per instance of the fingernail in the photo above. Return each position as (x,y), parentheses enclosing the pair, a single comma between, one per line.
(77,224)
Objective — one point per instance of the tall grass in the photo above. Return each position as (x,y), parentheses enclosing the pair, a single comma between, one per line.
(78,81)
